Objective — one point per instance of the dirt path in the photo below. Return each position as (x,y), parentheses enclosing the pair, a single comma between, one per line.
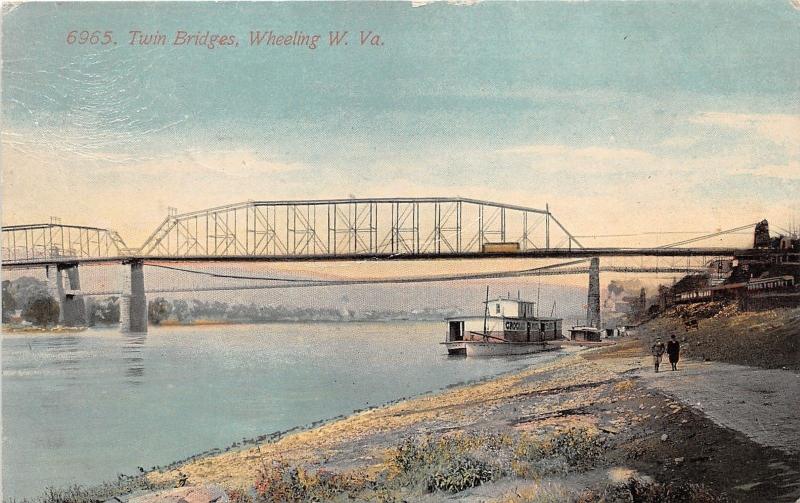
(762,404)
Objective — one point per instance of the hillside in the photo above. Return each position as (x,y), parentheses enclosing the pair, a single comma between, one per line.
(767,339)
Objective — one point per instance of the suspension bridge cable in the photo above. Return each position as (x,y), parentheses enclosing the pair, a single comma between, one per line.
(383,281)
(657,233)
(411,279)
(233,276)
(700,238)
(507,274)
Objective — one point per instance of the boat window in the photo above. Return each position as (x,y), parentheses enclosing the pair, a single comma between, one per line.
(497,308)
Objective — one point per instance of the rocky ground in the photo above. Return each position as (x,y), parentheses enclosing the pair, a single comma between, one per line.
(761,403)
(766,339)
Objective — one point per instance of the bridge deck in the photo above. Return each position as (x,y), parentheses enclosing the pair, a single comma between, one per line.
(527,254)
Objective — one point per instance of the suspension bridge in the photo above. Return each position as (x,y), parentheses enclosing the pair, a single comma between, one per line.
(378,229)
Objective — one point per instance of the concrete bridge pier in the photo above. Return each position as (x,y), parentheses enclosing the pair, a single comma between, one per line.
(133,302)
(593,303)
(55,287)
(72,308)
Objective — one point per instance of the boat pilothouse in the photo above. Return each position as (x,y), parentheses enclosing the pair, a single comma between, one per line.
(508,327)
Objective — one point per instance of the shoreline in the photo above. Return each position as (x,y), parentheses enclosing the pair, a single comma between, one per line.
(280,434)
(568,394)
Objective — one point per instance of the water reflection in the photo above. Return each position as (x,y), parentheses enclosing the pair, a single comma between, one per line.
(133,357)
(65,350)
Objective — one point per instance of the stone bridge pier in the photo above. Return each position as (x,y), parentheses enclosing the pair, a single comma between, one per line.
(133,302)
(72,308)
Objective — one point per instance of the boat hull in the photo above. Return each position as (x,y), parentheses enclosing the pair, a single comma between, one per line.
(481,348)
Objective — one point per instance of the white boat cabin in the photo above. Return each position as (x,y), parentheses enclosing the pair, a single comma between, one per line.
(585,334)
(511,308)
(507,320)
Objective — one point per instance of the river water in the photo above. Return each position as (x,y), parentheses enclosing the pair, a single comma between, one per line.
(83,407)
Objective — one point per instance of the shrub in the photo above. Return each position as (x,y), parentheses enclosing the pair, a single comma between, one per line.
(42,310)
(460,473)
(278,482)
(577,447)
(282,483)
(239,496)
(448,463)
(158,310)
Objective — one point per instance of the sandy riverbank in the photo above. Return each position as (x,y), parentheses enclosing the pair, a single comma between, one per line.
(583,426)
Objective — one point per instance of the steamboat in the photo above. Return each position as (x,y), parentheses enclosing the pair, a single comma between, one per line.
(508,327)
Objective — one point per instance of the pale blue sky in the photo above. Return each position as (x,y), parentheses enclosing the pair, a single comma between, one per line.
(621,115)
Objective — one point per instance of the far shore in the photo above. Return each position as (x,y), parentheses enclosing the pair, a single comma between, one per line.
(16,328)
(22,329)
(175,323)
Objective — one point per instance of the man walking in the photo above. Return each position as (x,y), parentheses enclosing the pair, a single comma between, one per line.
(674,351)
(658,351)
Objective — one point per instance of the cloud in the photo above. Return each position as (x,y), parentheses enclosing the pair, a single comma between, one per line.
(237,163)
(781,129)
(649,190)
(131,195)
(557,157)
(598,153)
(679,142)
(768,147)
(790,170)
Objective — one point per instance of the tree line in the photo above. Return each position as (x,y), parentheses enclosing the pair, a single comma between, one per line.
(182,311)
(28,299)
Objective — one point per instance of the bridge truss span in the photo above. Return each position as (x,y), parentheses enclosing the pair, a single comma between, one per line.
(41,242)
(357,227)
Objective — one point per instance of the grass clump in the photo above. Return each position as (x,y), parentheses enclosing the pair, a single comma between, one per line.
(124,485)
(573,450)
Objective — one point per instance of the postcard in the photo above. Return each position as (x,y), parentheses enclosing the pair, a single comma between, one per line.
(400,251)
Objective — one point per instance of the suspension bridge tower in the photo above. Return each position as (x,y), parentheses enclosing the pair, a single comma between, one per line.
(593,304)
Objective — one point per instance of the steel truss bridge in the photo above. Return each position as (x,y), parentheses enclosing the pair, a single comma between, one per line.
(409,226)
(55,241)
(336,229)
(320,230)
